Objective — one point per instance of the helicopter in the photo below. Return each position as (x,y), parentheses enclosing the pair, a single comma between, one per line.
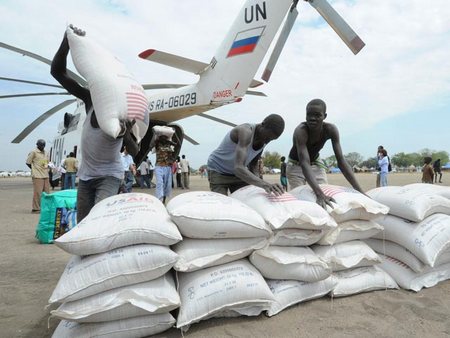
(225,79)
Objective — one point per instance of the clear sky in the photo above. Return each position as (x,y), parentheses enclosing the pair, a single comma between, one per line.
(395,92)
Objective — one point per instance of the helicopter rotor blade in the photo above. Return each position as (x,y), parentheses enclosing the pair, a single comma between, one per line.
(31,94)
(41,119)
(42,59)
(285,31)
(162,85)
(216,119)
(191,140)
(345,32)
(30,82)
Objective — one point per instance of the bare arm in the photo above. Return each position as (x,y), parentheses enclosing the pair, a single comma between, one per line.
(243,135)
(300,140)
(341,161)
(59,72)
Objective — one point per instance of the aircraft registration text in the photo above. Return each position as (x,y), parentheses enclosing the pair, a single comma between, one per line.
(173,102)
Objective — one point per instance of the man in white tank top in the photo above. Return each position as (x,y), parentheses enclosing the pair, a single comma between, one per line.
(233,164)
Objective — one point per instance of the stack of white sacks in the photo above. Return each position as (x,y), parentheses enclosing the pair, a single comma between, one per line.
(118,283)
(415,244)
(354,264)
(292,270)
(215,279)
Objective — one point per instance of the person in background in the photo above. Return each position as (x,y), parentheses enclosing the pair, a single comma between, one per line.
(151,170)
(129,170)
(100,172)
(164,162)
(437,170)
(261,168)
(427,170)
(283,178)
(144,174)
(383,163)
(380,148)
(62,172)
(184,164)
(304,164)
(71,167)
(234,164)
(37,161)
(178,173)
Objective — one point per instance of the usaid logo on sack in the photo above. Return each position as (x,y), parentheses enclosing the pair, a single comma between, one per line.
(131,198)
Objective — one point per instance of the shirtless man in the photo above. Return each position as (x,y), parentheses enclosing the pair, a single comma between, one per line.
(234,164)
(304,165)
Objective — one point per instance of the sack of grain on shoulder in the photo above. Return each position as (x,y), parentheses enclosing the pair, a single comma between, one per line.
(115,92)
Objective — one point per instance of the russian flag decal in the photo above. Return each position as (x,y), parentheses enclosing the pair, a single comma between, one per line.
(245,41)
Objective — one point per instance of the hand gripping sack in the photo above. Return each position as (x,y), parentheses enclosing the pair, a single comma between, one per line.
(285,211)
(350,203)
(115,93)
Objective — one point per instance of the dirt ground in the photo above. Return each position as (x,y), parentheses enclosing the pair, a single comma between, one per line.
(30,271)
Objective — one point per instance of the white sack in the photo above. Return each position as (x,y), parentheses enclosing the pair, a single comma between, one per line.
(350,230)
(285,211)
(119,221)
(143,326)
(164,130)
(410,280)
(427,240)
(235,287)
(347,255)
(152,297)
(358,280)
(291,292)
(205,214)
(410,202)
(396,251)
(295,237)
(283,262)
(350,203)
(440,190)
(195,254)
(89,275)
(115,93)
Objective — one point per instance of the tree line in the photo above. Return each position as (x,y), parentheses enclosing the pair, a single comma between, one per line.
(400,160)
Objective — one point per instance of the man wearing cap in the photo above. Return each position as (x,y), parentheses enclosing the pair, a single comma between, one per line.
(37,161)
(233,164)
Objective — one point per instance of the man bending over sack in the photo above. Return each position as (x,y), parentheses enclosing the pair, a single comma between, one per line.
(233,164)
(100,171)
(304,164)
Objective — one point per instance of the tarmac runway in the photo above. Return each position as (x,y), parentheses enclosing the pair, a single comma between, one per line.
(29,272)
